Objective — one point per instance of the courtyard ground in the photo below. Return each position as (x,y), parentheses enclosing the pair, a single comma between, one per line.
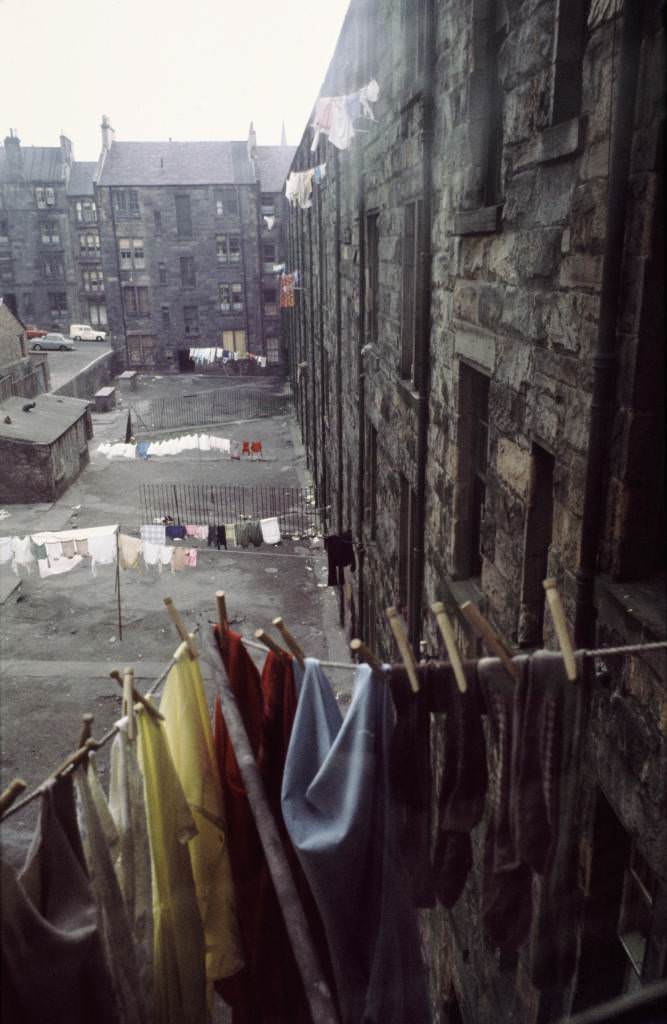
(59,636)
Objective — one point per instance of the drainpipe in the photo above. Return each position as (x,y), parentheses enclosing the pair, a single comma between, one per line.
(361,394)
(424,351)
(117,261)
(606,356)
(312,382)
(323,497)
(339,361)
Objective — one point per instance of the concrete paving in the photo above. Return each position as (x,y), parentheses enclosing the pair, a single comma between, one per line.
(59,636)
(65,365)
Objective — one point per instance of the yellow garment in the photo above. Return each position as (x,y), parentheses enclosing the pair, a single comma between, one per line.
(130,549)
(179,979)
(188,728)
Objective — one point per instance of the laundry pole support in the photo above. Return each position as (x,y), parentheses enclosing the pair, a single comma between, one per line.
(317,992)
(120,617)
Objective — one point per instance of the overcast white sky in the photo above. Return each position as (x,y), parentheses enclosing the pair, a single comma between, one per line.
(196,69)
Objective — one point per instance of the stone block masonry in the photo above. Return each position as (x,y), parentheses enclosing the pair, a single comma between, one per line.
(483,320)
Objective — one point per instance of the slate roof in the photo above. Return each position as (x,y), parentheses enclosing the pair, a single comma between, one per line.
(177,163)
(40,164)
(273,164)
(51,417)
(81,178)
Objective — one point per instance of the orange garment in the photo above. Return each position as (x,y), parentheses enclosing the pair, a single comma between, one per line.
(245,450)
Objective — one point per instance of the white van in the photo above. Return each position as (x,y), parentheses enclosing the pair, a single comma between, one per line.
(84,332)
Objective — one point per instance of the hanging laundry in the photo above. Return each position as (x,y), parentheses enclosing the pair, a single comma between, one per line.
(245,448)
(235,450)
(165,555)
(334,115)
(151,553)
(369,94)
(82,548)
(69,548)
(198,532)
(255,533)
(142,449)
(242,531)
(179,559)
(256,449)
(287,291)
(153,533)
(270,530)
(175,532)
(57,566)
(115,932)
(340,552)
(320,173)
(341,822)
(6,551)
(269,988)
(278,268)
(217,535)
(129,549)
(190,738)
(270,221)
(102,551)
(323,118)
(132,862)
(191,554)
(230,532)
(22,554)
(178,940)
(49,920)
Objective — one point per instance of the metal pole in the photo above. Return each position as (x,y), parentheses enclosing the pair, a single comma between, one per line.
(120,618)
(319,998)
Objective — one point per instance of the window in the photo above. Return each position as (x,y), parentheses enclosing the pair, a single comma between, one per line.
(136,301)
(157,222)
(188,277)
(234,341)
(89,244)
(4,230)
(226,202)
(97,313)
(272,351)
(132,255)
(412,279)
(50,232)
(228,248)
(268,256)
(414,33)
(473,453)
(93,281)
(53,266)
(58,304)
(191,320)
(183,216)
(6,269)
(371,478)
(141,349)
(126,202)
(373,260)
(166,319)
(162,272)
(537,538)
(406,531)
(86,211)
(28,306)
(268,205)
(231,298)
(486,102)
(44,197)
(636,917)
(571,22)
(270,299)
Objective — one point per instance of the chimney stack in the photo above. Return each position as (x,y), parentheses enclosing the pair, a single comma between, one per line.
(252,142)
(14,155)
(107,134)
(66,150)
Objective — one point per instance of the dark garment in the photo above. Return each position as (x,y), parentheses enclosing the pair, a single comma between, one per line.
(269,988)
(338,810)
(216,535)
(175,532)
(255,533)
(53,967)
(340,552)
(243,534)
(506,882)
(559,707)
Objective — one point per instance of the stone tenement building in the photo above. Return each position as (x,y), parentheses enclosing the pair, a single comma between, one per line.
(168,246)
(477,358)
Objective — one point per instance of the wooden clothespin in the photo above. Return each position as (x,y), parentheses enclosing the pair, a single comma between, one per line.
(180,627)
(128,700)
(265,639)
(139,697)
(447,633)
(223,621)
(493,641)
(86,728)
(77,757)
(560,625)
(14,789)
(289,640)
(366,654)
(400,632)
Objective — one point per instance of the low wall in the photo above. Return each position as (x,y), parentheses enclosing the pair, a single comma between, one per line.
(96,375)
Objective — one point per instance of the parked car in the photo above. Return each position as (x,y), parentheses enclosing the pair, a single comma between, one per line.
(53,342)
(84,332)
(34,332)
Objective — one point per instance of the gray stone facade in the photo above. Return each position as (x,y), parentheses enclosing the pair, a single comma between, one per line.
(457,270)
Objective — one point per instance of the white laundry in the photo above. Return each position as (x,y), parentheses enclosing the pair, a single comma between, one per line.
(153,534)
(102,551)
(165,555)
(57,566)
(54,550)
(270,530)
(118,451)
(22,554)
(151,553)
(5,549)
(369,94)
(270,221)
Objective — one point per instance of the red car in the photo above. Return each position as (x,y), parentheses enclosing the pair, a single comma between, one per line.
(34,332)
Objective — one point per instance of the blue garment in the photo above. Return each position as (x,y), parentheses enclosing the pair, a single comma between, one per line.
(175,532)
(142,449)
(338,811)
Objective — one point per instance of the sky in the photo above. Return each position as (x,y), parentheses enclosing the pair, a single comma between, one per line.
(188,70)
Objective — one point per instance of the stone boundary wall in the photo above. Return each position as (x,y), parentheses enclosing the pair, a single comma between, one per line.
(96,375)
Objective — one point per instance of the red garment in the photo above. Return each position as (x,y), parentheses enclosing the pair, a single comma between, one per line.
(245,450)
(256,446)
(268,989)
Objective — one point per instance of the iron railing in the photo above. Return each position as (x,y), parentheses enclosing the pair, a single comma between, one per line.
(206,504)
(206,407)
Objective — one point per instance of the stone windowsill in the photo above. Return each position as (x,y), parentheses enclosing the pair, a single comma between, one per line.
(485,220)
(554,143)
(637,611)
(408,394)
